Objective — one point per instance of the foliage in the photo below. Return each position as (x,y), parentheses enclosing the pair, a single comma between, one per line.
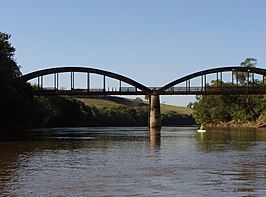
(54,111)
(249,62)
(243,77)
(211,109)
(8,67)
(174,119)
(15,96)
(124,116)
(57,111)
(215,109)
(190,105)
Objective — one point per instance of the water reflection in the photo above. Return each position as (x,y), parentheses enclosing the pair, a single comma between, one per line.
(134,161)
(155,138)
(229,139)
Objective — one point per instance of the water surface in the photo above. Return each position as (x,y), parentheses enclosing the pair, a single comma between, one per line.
(130,162)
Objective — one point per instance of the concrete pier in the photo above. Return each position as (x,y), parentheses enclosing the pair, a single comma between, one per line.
(155,111)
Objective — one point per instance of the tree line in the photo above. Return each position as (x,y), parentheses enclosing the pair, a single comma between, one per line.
(57,111)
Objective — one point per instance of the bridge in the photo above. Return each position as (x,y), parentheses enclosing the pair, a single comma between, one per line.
(216,81)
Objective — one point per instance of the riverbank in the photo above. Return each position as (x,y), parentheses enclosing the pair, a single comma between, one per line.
(259,123)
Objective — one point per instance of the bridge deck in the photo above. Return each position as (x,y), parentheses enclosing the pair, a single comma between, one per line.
(171,91)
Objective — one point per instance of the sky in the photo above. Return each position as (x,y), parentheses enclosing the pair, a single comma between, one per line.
(151,41)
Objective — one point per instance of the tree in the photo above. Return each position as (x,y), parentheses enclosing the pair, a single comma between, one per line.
(190,105)
(243,77)
(15,95)
(249,62)
(147,97)
(215,109)
(8,67)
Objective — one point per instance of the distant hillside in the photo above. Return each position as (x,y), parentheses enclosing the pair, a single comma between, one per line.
(106,101)
(178,109)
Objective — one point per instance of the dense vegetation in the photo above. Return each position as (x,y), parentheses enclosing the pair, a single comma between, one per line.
(15,97)
(19,109)
(232,110)
(175,119)
(59,111)
(55,111)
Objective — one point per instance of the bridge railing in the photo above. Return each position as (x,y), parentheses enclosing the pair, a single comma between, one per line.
(86,91)
(217,90)
(170,91)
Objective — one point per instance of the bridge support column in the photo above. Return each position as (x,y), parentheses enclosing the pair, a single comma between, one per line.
(155,111)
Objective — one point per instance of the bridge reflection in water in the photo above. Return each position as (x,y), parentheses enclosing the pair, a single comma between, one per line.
(194,84)
(155,138)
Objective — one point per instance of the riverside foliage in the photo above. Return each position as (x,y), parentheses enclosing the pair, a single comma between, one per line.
(15,99)
(217,110)
(56,111)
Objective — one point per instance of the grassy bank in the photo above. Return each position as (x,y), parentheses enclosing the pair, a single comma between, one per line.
(108,101)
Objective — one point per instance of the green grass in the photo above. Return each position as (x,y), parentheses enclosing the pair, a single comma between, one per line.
(170,108)
(115,101)
(98,102)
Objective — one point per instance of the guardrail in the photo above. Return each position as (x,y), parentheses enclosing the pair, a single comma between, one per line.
(91,91)
(217,90)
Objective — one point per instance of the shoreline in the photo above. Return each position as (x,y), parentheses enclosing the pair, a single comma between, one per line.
(238,124)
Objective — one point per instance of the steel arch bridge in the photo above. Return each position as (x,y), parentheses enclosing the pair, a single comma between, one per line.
(255,83)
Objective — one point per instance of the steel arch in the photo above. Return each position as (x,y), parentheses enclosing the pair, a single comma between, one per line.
(260,71)
(127,80)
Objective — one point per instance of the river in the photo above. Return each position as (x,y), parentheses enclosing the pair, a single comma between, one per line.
(131,162)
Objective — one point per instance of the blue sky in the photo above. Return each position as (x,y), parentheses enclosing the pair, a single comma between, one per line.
(151,41)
